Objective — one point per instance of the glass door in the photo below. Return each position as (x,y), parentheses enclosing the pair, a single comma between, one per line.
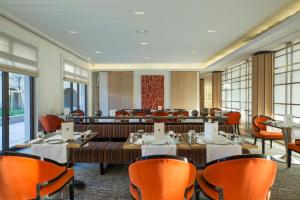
(19,109)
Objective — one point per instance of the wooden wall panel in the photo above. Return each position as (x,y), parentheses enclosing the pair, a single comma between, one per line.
(120,90)
(217,89)
(202,93)
(184,90)
(262,84)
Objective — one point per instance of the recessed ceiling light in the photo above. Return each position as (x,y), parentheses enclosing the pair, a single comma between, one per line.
(89,58)
(141,31)
(139,13)
(193,51)
(211,31)
(144,43)
(98,52)
(146,58)
(73,32)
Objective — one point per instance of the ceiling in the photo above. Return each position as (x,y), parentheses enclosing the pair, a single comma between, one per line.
(177,29)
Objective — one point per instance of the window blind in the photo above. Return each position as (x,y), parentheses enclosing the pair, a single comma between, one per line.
(16,56)
(75,73)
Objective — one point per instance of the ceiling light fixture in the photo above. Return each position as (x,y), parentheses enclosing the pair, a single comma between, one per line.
(98,52)
(73,32)
(141,31)
(193,51)
(144,43)
(139,13)
(211,31)
(146,58)
(89,58)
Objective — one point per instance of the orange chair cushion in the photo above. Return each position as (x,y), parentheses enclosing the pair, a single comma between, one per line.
(270,135)
(208,190)
(294,147)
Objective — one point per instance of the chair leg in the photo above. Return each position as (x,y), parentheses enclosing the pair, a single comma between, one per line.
(102,170)
(263,146)
(238,129)
(271,143)
(71,189)
(289,158)
(255,141)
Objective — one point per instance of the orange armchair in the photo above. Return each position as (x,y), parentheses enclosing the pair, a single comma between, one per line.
(29,177)
(259,131)
(76,113)
(244,177)
(180,113)
(160,113)
(213,110)
(292,147)
(162,178)
(234,120)
(51,123)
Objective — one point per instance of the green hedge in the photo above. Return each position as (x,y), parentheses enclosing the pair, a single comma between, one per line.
(14,112)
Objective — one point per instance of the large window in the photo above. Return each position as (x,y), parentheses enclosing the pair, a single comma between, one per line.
(237,90)
(287,82)
(18,66)
(75,96)
(207,93)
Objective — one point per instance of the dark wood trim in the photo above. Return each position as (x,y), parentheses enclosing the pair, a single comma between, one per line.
(5,111)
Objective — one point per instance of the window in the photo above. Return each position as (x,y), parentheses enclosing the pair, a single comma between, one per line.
(75,95)
(18,66)
(237,90)
(287,82)
(207,93)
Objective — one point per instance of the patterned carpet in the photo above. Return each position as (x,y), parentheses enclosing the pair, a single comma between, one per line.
(114,184)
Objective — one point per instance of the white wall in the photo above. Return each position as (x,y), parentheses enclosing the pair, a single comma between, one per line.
(49,83)
(137,86)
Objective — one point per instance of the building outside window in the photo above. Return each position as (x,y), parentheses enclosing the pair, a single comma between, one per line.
(287,82)
(75,95)
(237,90)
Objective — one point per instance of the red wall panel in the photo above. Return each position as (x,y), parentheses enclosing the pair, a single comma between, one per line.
(152,91)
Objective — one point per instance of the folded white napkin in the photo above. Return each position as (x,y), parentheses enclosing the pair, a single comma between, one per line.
(138,141)
(37,140)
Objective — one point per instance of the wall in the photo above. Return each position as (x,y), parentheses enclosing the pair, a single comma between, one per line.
(185,90)
(49,83)
(137,86)
(120,90)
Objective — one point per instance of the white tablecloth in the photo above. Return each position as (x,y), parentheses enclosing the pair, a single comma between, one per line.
(214,151)
(168,149)
(56,152)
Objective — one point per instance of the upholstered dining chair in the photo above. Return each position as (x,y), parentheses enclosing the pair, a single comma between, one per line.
(51,123)
(234,120)
(76,113)
(259,131)
(293,146)
(180,113)
(246,177)
(160,113)
(162,177)
(212,111)
(25,176)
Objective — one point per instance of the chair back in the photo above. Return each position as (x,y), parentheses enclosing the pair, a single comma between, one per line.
(257,125)
(162,177)
(180,113)
(76,113)
(122,113)
(233,118)
(160,113)
(213,110)
(51,123)
(244,177)
(20,174)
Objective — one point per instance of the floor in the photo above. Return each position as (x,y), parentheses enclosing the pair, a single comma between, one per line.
(114,184)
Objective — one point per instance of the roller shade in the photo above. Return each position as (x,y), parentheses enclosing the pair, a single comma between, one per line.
(16,56)
(75,73)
